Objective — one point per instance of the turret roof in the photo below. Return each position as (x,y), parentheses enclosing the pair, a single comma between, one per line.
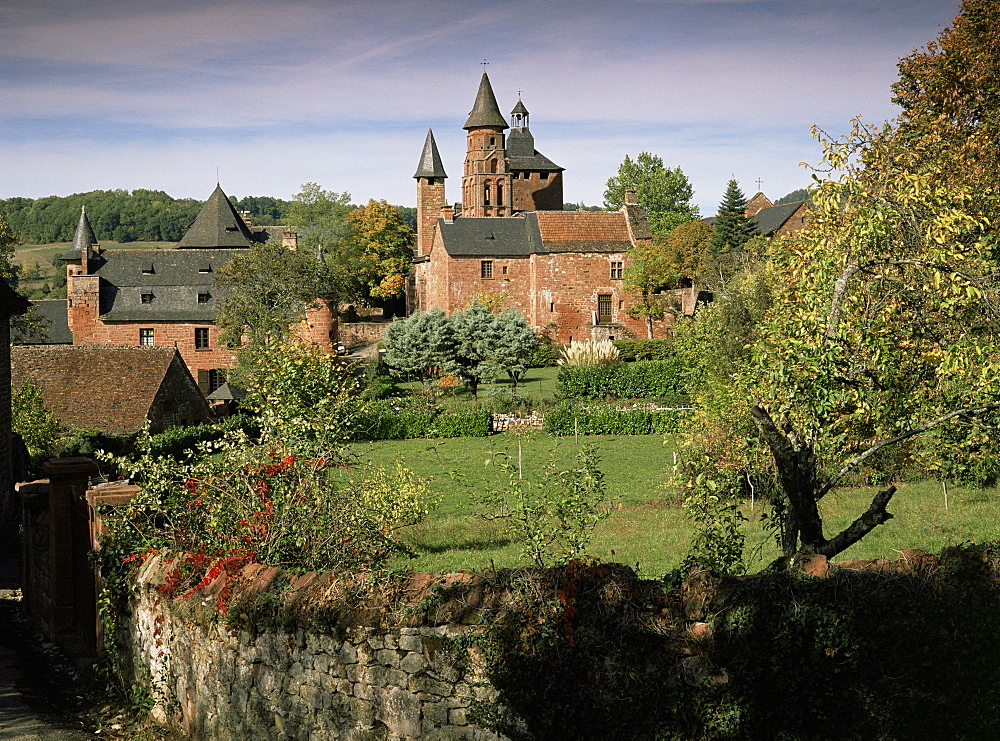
(217,225)
(430,160)
(486,112)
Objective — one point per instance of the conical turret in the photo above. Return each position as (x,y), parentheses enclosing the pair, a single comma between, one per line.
(430,161)
(486,112)
(84,238)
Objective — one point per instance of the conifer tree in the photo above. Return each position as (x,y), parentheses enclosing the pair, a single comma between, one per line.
(733,228)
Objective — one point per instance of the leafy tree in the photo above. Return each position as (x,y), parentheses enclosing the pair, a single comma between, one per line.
(516,345)
(664,193)
(733,228)
(476,340)
(377,250)
(36,425)
(420,345)
(646,274)
(686,248)
(319,216)
(270,286)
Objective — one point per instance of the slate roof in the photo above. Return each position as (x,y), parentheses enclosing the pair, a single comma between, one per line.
(12,302)
(83,237)
(110,388)
(485,112)
(770,220)
(174,279)
(522,155)
(56,331)
(218,225)
(537,232)
(430,165)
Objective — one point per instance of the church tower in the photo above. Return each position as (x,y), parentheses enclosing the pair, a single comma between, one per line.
(430,177)
(486,180)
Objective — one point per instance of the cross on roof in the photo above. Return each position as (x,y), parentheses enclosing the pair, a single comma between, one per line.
(484,63)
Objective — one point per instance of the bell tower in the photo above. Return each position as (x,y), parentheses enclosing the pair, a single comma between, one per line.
(486,180)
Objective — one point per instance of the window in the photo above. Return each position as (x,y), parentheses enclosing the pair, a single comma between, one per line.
(543,175)
(504,270)
(616,270)
(486,269)
(603,308)
(216,377)
(203,298)
(486,194)
(499,194)
(146,298)
(205,269)
(147,269)
(201,338)
(146,337)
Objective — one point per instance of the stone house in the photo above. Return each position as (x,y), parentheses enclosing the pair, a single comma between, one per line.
(113,389)
(165,297)
(510,240)
(774,220)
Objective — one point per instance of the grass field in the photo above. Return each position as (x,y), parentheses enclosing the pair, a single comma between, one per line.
(647,526)
(538,384)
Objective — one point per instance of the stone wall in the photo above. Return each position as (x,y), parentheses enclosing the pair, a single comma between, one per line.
(353,334)
(382,670)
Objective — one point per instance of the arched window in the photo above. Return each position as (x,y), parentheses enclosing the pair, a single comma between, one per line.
(486,194)
(493,165)
(499,194)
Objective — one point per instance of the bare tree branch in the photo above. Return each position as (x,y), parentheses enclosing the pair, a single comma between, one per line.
(871,519)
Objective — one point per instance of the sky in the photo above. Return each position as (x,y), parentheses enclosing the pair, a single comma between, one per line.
(265,95)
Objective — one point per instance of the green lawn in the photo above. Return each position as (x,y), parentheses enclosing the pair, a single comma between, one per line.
(538,384)
(647,526)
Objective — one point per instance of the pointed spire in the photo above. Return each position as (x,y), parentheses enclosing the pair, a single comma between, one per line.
(217,225)
(486,112)
(430,161)
(84,238)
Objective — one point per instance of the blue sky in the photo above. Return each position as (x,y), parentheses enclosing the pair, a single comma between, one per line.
(269,94)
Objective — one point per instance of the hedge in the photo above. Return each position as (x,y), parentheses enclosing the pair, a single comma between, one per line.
(173,442)
(569,418)
(397,419)
(658,349)
(638,380)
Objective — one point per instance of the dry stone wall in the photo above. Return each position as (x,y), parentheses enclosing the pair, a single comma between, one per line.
(388,680)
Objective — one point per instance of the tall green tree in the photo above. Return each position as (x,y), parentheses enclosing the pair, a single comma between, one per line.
(664,193)
(270,287)
(319,216)
(733,228)
(36,425)
(376,252)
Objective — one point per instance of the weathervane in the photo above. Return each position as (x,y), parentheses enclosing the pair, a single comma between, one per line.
(484,63)
(759,181)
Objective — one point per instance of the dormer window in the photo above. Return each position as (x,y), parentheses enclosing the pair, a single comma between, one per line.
(206,268)
(146,297)
(146,269)
(203,298)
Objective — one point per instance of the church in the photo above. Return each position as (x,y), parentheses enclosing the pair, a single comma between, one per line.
(510,242)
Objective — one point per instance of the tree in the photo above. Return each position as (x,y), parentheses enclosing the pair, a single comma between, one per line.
(474,332)
(646,274)
(733,228)
(886,310)
(377,251)
(420,345)
(516,344)
(270,286)
(665,194)
(36,425)
(319,216)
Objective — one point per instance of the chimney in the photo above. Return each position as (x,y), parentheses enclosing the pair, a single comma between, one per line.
(290,239)
(448,214)
(631,199)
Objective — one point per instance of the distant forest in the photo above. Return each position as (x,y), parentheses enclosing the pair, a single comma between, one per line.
(121,216)
(137,216)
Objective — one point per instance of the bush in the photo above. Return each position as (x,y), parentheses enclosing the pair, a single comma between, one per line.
(632,350)
(87,441)
(403,419)
(174,442)
(569,418)
(638,380)
(589,353)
